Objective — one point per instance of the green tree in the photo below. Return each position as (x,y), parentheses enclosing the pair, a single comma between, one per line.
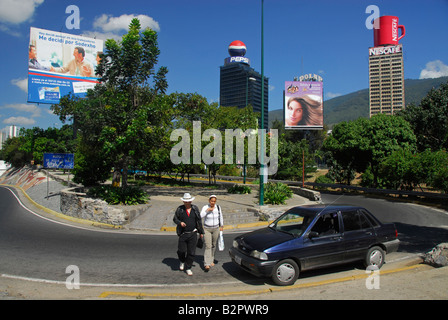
(348,149)
(429,119)
(366,143)
(291,156)
(293,144)
(384,135)
(190,107)
(13,153)
(440,178)
(399,170)
(406,170)
(31,144)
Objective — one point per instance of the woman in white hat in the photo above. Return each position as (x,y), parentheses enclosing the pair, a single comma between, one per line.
(213,223)
(188,220)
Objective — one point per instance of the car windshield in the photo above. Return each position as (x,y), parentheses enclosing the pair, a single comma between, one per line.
(293,222)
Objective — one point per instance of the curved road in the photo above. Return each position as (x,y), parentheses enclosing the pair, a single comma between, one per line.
(35,247)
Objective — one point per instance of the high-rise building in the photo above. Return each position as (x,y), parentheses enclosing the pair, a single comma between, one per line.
(386,72)
(8,132)
(241,85)
(386,79)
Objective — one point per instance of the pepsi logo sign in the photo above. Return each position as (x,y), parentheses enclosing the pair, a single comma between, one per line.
(237,49)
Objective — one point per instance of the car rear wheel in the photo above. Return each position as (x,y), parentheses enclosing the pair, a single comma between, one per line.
(375,257)
(285,272)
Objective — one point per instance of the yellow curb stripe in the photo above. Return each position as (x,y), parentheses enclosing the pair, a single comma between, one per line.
(228,227)
(107,294)
(344,279)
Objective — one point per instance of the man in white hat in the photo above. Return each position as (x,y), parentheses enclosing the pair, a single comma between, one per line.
(188,220)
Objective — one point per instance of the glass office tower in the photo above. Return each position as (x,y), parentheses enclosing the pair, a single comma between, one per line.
(241,85)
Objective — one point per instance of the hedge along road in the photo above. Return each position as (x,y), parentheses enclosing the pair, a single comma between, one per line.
(38,248)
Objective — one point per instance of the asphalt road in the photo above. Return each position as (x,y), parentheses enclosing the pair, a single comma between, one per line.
(40,249)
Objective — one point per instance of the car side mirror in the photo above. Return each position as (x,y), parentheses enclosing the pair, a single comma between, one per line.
(313,234)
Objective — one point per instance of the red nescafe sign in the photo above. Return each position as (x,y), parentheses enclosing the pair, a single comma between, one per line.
(387,31)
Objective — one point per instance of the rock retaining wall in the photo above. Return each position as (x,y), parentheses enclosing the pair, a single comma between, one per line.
(75,203)
(306,193)
(438,256)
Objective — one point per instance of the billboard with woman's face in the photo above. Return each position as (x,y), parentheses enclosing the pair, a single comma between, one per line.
(303,105)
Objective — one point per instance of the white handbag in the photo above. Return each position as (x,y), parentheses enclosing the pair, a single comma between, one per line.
(220,242)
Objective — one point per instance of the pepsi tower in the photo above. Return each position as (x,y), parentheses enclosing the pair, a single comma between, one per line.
(241,85)
(386,73)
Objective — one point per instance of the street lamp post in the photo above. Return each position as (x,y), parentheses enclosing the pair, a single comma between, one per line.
(247,99)
(261,200)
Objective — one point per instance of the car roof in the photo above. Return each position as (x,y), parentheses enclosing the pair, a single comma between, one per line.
(322,208)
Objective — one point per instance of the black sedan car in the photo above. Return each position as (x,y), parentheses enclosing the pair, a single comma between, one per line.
(310,237)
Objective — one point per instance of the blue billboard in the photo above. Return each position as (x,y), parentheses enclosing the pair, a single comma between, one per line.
(59,160)
(61,63)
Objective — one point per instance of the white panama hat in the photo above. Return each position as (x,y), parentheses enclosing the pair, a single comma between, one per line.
(187,198)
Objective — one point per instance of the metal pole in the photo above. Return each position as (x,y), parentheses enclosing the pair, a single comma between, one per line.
(261,202)
(303,168)
(244,164)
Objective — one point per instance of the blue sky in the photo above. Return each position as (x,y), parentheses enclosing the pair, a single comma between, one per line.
(324,37)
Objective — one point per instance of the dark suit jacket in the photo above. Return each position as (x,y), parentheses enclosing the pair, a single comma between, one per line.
(181,211)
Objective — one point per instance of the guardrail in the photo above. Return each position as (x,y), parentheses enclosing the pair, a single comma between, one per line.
(339,186)
(380,191)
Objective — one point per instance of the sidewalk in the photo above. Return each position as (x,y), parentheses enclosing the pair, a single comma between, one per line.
(401,280)
(239,210)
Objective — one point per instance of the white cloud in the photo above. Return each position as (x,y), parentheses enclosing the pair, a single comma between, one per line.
(109,27)
(10,31)
(21,83)
(16,12)
(331,95)
(23,107)
(19,121)
(434,69)
(108,23)
(102,35)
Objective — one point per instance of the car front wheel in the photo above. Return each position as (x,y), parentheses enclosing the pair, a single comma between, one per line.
(375,257)
(285,272)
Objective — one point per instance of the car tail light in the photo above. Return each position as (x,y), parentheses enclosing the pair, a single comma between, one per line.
(396,233)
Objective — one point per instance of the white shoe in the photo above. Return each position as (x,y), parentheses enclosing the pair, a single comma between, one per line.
(189,272)
(182,265)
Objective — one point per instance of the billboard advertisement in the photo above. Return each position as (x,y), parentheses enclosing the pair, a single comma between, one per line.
(59,160)
(303,105)
(60,63)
